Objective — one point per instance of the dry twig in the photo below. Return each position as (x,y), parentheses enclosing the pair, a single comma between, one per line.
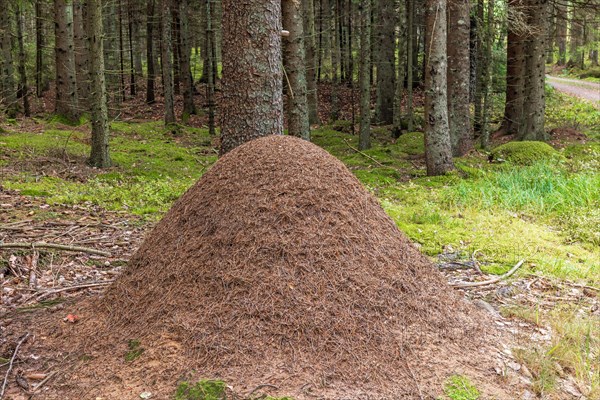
(10,364)
(489,281)
(44,245)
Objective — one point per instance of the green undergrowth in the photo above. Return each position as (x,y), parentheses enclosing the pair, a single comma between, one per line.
(568,111)
(459,387)
(210,390)
(152,168)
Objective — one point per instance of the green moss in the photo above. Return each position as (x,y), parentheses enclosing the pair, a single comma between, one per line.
(202,390)
(524,153)
(412,143)
(135,350)
(459,387)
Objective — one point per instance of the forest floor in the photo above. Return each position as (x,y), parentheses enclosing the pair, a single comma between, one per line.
(475,223)
(576,87)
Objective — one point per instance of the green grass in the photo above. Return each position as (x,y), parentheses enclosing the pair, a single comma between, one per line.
(459,387)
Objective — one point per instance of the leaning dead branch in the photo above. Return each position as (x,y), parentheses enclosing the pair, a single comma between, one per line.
(489,281)
(44,245)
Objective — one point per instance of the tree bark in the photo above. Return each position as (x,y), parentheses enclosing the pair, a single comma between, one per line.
(210,73)
(150,22)
(459,114)
(364,140)
(295,68)
(81,52)
(336,61)
(189,107)
(310,60)
(401,69)
(66,85)
(252,102)
(515,70)
(384,58)
(39,48)
(438,150)
(410,64)
(99,156)
(23,87)
(167,62)
(535,100)
(561,33)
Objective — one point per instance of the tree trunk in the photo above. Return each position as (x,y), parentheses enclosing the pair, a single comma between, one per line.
(480,68)
(515,71)
(336,62)
(252,103)
(122,89)
(550,34)
(23,88)
(438,150)
(99,156)
(310,59)
(489,42)
(81,52)
(210,73)
(186,69)
(150,22)
(401,69)
(39,48)
(384,56)
(576,41)
(364,139)
(293,57)
(561,33)
(167,62)
(66,86)
(459,114)
(132,84)
(410,64)
(535,100)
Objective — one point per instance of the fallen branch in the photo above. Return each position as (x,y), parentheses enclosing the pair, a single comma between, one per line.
(43,245)
(489,281)
(43,382)
(366,155)
(10,364)
(43,294)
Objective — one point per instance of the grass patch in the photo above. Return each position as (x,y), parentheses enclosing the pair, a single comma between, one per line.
(135,350)
(459,387)
(201,390)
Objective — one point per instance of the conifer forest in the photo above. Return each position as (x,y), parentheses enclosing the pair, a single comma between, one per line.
(300,199)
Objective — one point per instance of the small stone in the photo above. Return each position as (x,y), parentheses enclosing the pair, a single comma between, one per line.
(145,395)
(514,365)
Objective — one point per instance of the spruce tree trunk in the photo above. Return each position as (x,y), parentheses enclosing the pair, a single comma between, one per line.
(293,58)
(535,100)
(550,34)
(576,38)
(167,62)
(561,33)
(336,61)
(438,150)
(186,68)
(39,48)
(384,57)
(99,156)
(130,36)
(310,59)
(150,23)
(81,52)
(401,69)
(489,42)
(410,64)
(252,102)
(66,85)
(23,87)
(459,114)
(210,74)
(480,68)
(364,79)
(515,73)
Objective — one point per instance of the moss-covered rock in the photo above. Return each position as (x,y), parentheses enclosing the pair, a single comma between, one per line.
(524,153)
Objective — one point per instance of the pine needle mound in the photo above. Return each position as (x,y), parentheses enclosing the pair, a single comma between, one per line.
(279,267)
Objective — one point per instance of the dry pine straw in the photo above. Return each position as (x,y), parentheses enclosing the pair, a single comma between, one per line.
(277,267)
